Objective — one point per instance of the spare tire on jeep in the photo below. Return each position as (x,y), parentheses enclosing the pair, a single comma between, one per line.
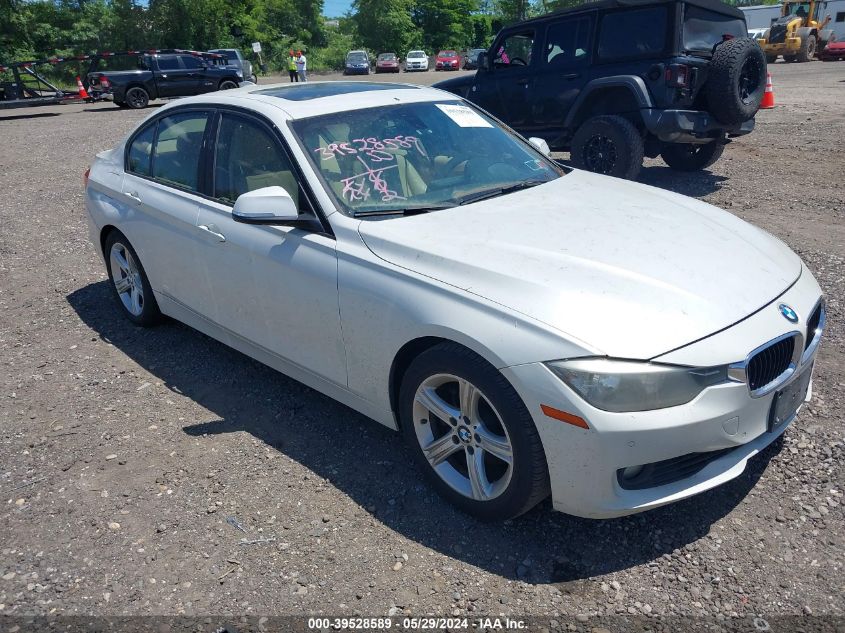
(736,80)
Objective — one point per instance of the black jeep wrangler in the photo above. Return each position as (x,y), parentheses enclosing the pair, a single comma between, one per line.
(615,80)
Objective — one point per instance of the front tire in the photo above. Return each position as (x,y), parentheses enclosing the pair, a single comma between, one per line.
(692,157)
(227,84)
(808,49)
(471,434)
(609,145)
(129,281)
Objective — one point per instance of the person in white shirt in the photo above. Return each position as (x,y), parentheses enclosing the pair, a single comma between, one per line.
(301,66)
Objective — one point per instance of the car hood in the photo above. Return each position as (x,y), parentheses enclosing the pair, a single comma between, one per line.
(627,270)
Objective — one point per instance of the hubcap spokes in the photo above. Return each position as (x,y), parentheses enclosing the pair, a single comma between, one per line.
(462,437)
(600,154)
(127,279)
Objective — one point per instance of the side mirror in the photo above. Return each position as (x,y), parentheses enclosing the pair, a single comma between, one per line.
(541,145)
(483,61)
(268,205)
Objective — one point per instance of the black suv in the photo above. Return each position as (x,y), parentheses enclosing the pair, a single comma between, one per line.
(616,80)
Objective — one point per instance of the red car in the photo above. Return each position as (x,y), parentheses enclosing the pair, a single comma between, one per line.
(387,63)
(447,60)
(833,51)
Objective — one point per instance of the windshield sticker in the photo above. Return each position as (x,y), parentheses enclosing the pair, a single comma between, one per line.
(463,115)
(355,187)
(535,165)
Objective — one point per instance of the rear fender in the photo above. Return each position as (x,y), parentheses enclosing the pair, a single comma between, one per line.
(591,101)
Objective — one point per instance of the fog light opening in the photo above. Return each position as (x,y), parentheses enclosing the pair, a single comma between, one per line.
(631,472)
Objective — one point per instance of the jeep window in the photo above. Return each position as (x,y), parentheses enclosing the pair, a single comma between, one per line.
(633,33)
(514,50)
(568,43)
(704,29)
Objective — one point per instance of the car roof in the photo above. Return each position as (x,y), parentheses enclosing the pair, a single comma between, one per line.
(604,5)
(303,100)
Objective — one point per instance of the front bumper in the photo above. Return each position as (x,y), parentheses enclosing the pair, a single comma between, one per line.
(790,46)
(690,126)
(584,464)
(358,71)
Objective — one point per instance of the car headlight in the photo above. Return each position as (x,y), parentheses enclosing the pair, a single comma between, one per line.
(619,386)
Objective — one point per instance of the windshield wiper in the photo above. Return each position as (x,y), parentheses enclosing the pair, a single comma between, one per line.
(498,191)
(404,210)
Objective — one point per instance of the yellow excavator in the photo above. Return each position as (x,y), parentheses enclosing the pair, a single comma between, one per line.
(798,33)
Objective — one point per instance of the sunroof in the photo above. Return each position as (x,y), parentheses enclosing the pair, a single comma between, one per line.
(306,92)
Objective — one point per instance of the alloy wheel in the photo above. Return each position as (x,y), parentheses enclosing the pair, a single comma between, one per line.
(127,279)
(600,154)
(463,437)
(749,80)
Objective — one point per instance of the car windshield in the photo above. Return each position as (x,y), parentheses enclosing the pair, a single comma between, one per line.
(418,157)
(356,57)
(416,54)
(448,54)
(704,29)
(387,57)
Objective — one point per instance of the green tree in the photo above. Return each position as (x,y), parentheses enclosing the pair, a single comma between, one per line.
(445,23)
(385,25)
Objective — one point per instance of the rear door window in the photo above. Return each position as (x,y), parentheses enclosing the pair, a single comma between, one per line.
(568,43)
(139,158)
(633,33)
(168,63)
(176,154)
(191,63)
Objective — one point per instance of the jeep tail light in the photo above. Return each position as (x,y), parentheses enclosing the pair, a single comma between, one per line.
(677,75)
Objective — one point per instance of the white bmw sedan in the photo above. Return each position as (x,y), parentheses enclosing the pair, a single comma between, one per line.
(529,329)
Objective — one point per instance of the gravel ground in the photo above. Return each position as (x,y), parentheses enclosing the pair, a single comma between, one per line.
(124,451)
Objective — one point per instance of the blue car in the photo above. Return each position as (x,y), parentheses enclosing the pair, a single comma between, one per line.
(357,63)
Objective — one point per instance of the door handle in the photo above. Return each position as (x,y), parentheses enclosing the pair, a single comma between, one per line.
(212,230)
(133,195)
(572,76)
(522,82)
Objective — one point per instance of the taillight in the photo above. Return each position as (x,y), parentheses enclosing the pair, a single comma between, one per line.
(85,177)
(104,82)
(677,75)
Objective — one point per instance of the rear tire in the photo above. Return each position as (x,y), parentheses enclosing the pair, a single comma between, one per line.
(808,49)
(137,98)
(129,281)
(609,145)
(482,409)
(736,80)
(692,157)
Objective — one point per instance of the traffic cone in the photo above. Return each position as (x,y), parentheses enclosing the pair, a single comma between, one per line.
(768,101)
(83,94)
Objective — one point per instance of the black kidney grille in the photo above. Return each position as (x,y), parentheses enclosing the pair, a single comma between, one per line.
(812,324)
(769,363)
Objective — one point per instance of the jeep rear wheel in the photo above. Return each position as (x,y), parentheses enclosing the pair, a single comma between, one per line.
(736,80)
(690,157)
(609,145)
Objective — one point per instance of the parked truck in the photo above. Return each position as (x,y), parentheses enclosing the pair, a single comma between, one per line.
(162,76)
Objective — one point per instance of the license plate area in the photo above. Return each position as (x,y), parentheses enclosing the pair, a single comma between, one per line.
(788,399)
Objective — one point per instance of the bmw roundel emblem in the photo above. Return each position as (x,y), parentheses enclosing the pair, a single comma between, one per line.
(788,313)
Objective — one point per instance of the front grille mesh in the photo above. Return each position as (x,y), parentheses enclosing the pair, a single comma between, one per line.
(769,363)
(812,324)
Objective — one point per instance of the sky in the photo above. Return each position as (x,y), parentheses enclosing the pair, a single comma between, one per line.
(335,8)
